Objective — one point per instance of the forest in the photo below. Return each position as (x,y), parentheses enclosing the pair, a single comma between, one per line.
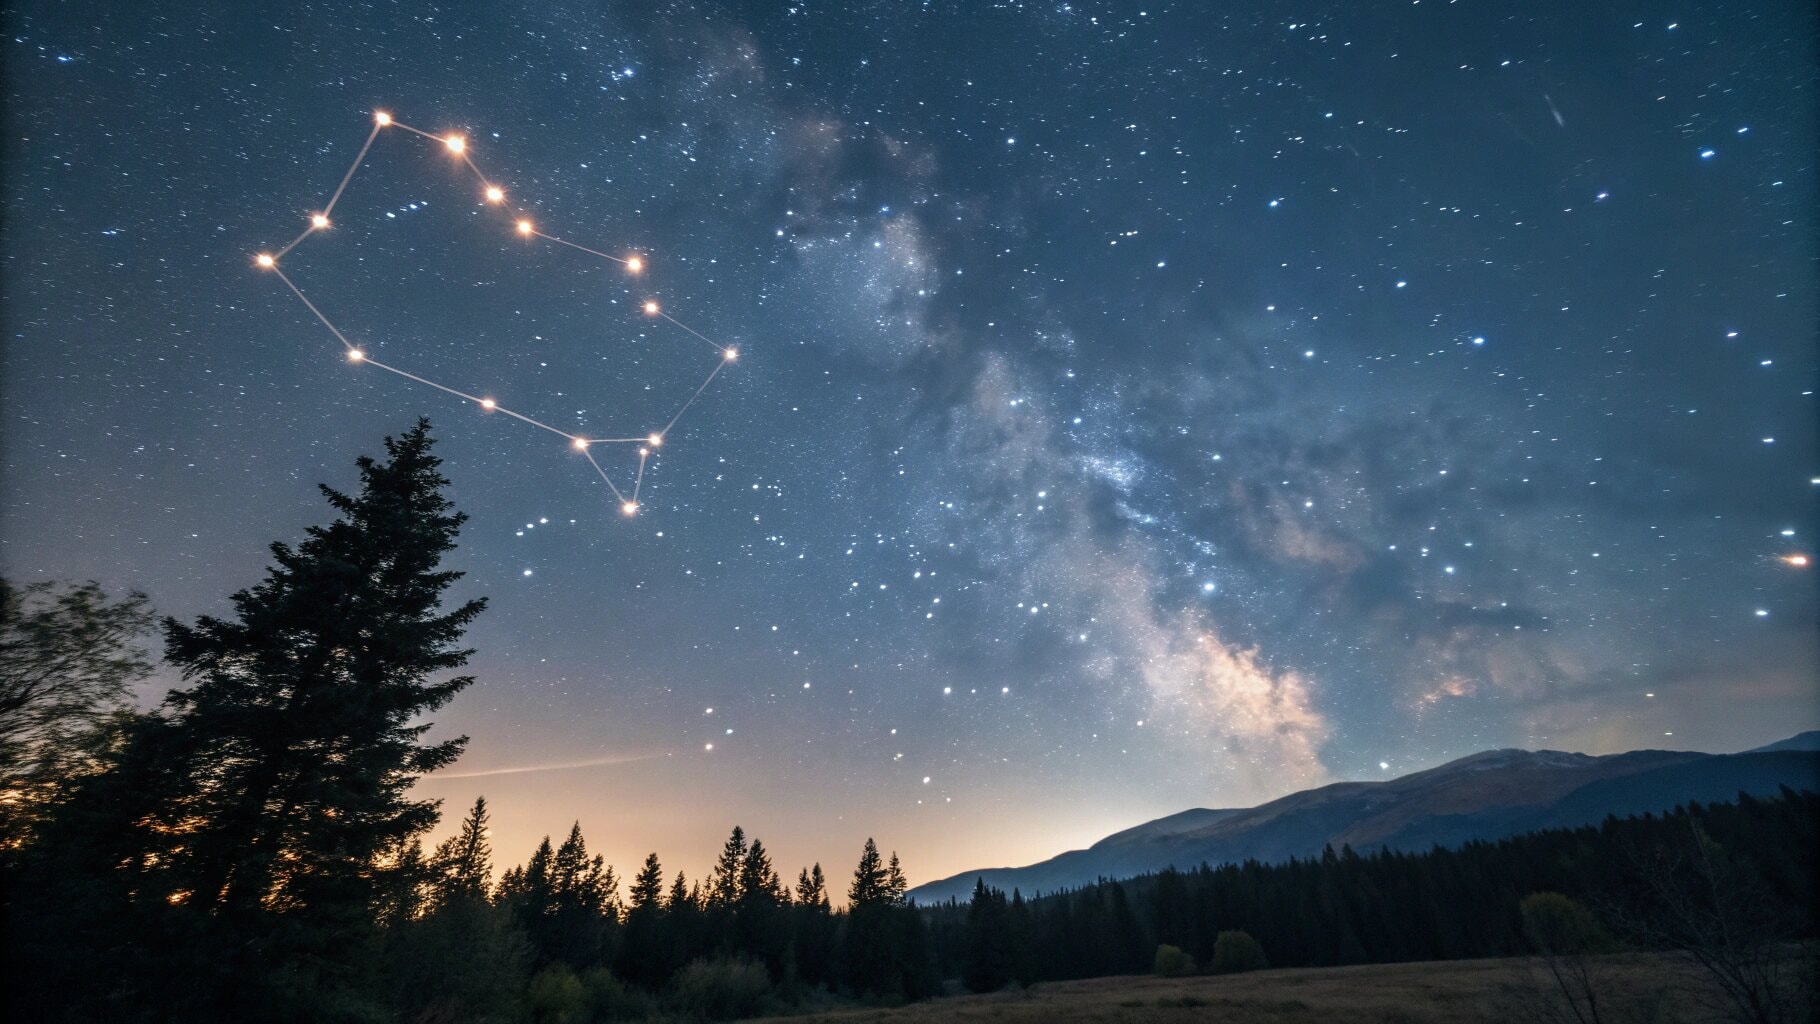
(250,847)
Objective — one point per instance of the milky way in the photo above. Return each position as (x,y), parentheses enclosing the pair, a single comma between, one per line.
(1139,406)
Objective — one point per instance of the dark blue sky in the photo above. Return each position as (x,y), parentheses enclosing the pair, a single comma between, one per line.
(1139,406)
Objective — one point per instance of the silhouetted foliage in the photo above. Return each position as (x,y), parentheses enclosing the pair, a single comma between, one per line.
(250,821)
(1171,962)
(1235,952)
(68,656)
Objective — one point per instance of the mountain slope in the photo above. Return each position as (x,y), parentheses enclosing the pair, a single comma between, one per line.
(1482,796)
(1809,740)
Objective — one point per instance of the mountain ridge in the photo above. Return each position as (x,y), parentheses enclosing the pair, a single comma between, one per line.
(1483,796)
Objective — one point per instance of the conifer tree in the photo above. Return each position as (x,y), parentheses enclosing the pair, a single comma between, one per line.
(815,929)
(681,898)
(300,734)
(682,923)
(648,886)
(261,810)
(527,887)
(646,956)
(869,882)
(759,926)
(758,881)
(723,883)
(886,951)
(987,953)
(812,888)
(895,883)
(569,903)
(464,861)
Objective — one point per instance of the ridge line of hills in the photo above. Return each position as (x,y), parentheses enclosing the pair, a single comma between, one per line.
(1483,796)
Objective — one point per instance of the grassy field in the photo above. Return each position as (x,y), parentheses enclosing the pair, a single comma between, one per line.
(1633,988)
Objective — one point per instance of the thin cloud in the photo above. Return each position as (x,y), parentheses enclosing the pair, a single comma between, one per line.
(595,762)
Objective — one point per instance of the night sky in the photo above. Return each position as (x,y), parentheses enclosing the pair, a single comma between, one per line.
(1138,406)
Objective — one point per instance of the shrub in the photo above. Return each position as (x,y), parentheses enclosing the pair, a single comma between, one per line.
(1234,952)
(556,996)
(720,989)
(610,999)
(1559,926)
(1171,962)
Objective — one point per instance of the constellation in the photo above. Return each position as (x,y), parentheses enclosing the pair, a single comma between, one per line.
(495,196)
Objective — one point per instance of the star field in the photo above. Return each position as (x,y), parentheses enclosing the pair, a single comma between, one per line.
(1139,406)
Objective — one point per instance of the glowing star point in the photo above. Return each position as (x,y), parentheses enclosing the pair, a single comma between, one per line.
(634,264)
(655,440)
(355,355)
(265,259)
(524,228)
(629,508)
(730,354)
(488,404)
(581,444)
(319,221)
(495,194)
(1798,561)
(382,118)
(456,144)
(652,308)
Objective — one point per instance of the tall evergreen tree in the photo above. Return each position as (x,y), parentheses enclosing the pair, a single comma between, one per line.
(869,883)
(584,905)
(723,882)
(987,963)
(812,888)
(758,881)
(260,811)
(759,927)
(464,861)
(300,734)
(681,897)
(814,935)
(648,886)
(895,883)
(885,951)
(526,888)
(683,923)
(646,956)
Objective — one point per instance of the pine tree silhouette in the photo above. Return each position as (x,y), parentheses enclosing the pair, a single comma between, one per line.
(464,862)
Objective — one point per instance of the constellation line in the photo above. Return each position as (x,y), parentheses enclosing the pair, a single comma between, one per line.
(493,193)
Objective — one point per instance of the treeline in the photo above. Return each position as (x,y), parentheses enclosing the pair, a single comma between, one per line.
(1747,869)
(554,938)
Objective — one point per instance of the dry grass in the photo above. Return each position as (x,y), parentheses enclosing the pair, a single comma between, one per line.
(1635,988)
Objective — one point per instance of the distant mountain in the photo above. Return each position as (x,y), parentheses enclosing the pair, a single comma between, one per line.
(1809,740)
(1483,796)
